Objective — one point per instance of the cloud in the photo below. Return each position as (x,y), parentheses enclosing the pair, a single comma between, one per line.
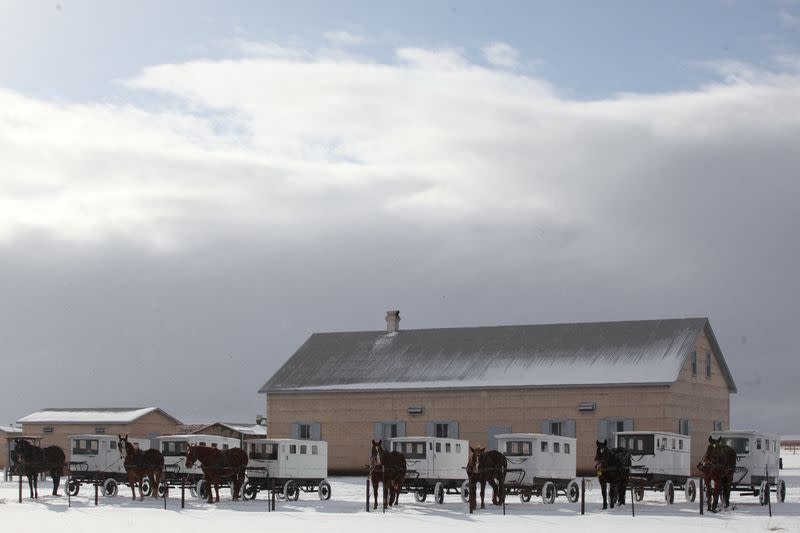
(788,18)
(344,38)
(501,54)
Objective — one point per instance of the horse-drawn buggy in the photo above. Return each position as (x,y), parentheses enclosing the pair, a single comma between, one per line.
(288,467)
(660,461)
(539,465)
(434,466)
(96,459)
(757,463)
(177,473)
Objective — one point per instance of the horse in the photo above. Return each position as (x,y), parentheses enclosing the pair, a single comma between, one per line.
(140,463)
(718,464)
(32,460)
(389,468)
(219,465)
(486,467)
(613,466)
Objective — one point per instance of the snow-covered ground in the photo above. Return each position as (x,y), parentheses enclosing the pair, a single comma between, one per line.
(345,512)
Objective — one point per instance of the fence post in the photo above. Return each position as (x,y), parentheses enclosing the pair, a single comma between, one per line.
(166,485)
(385,491)
(272,491)
(367,492)
(20,488)
(583,495)
(183,492)
(633,502)
(69,496)
(700,494)
(96,490)
(767,495)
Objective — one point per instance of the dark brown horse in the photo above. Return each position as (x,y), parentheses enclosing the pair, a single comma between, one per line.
(388,468)
(613,467)
(219,465)
(140,464)
(33,460)
(486,467)
(718,465)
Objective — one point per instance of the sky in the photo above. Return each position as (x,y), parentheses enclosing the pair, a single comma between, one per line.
(190,189)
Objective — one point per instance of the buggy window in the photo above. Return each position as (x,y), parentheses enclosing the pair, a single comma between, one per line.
(438,447)
(566,447)
(516,448)
(758,444)
(292,448)
(447,447)
(680,444)
(412,450)
(458,448)
(264,451)
(314,449)
(224,446)
(673,444)
(739,444)
(544,445)
(174,448)
(113,445)
(639,444)
(213,444)
(556,447)
(86,446)
(303,449)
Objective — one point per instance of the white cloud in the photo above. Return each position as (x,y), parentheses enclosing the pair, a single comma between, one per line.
(288,145)
(788,18)
(501,54)
(344,38)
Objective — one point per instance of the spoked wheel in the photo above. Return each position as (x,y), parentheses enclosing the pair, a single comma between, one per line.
(73,487)
(438,492)
(573,491)
(146,488)
(109,487)
(249,490)
(324,490)
(763,493)
(638,493)
(525,495)
(290,491)
(669,492)
(780,491)
(548,492)
(691,490)
(163,489)
(465,492)
(201,489)
(420,495)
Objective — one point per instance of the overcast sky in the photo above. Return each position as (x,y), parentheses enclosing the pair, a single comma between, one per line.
(188,191)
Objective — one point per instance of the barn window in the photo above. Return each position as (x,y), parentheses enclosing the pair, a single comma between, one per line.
(694,363)
(708,365)
(441,430)
(683,426)
(556,447)
(566,447)
(544,445)
(47,429)
(304,431)
(555,428)
(717,425)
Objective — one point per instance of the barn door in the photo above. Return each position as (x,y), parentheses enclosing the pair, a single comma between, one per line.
(493,432)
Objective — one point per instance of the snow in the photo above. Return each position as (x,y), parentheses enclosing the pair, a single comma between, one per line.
(10,429)
(101,416)
(345,512)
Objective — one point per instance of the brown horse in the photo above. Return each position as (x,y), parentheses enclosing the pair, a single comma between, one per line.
(32,460)
(389,468)
(613,467)
(140,464)
(486,467)
(718,465)
(219,465)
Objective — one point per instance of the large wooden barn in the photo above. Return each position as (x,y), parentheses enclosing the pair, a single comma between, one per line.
(583,380)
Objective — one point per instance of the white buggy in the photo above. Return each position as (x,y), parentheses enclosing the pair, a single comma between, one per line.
(757,463)
(660,461)
(96,459)
(287,467)
(540,465)
(434,465)
(174,448)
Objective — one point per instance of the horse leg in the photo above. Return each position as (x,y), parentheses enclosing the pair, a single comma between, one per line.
(612,494)
(483,492)
(473,486)
(31,482)
(375,492)
(716,495)
(493,485)
(385,495)
(623,486)
(603,492)
(55,475)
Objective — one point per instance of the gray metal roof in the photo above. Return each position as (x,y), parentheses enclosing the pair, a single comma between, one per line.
(598,353)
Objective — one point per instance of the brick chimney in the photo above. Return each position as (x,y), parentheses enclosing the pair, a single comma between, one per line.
(392,321)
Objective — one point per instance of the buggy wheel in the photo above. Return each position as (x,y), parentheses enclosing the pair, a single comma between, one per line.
(548,492)
(193,491)
(438,492)
(249,490)
(201,489)
(638,493)
(163,489)
(573,491)
(763,493)
(780,491)
(465,492)
(290,491)
(691,490)
(145,487)
(669,492)
(420,495)
(525,495)
(324,490)
(73,487)
(109,487)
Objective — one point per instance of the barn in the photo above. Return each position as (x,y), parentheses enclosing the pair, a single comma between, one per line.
(55,425)
(584,380)
(7,433)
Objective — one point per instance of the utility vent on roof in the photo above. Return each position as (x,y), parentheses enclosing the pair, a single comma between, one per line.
(392,321)
(587,406)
